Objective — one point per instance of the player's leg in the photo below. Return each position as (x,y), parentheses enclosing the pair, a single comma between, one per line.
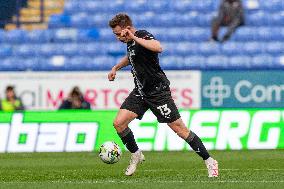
(166,112)
(196,144)
(123,118)
(133,107)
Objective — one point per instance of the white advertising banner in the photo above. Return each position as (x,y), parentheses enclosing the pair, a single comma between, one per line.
(46,90)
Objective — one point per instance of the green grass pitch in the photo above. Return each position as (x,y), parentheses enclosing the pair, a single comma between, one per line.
(164,170)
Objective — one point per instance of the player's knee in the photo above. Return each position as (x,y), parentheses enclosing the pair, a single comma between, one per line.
(116,124)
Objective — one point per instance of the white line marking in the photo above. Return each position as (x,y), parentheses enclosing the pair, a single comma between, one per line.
(141,181)
(162,170)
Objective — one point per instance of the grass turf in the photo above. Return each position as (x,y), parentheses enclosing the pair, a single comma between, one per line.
(165,170)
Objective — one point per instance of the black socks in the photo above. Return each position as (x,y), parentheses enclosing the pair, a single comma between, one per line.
(193,140)
(128,140)
(196,144)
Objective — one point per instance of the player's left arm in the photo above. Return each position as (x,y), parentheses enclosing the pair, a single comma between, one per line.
(152,44)
(148,43)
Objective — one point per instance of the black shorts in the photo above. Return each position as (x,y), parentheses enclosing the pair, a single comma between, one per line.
(162,106)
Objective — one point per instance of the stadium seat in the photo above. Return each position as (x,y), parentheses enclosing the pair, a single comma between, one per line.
(80,38)
(25,50)
(240,62)
(197,34)
(16,36)
(59,20)
(217,62)
(171,62)
(245,34)
(5,50)
(12,64)
(272,5)
(185,49)
(262,61)
(209,48)
(253,48)
(232,48)
(274,48)
(258,18)
(194,62)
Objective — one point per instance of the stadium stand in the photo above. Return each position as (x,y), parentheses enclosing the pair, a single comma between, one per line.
(78,37)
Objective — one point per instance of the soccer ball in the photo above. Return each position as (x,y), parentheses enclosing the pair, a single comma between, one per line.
(110,152)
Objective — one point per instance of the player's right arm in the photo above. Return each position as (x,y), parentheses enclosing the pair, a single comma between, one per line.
(123,62)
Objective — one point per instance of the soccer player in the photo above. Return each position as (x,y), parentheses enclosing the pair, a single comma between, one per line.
(151,91)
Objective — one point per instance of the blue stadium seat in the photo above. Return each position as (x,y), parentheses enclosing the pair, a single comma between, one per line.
(59,20)
(77,63)
(205,20)
(272,5)
(245,34)
(16,36)
(262,61)
(166,20)
(171,62)
(88,35)
(50,50)
(80,38)
(40,36)
(267,34)
(196,34)
(232,48)
(274,48)
(115,49)
(33,63)
(185,48)
(276,18)
(194,62)
(98,20)
(106,34)
(189,19)
(5,50)
(12,64)
(144,19)
(2,35)
(103,62)
(209,48)
(203,6)
(65,35)
(28,50)
(253,48)
(79,20)
(136,6)
(217,62)
(158,6)
(240,62)
(258,18)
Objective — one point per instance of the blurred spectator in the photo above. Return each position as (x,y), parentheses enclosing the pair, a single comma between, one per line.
(75,100)
(11,102)
(231,14)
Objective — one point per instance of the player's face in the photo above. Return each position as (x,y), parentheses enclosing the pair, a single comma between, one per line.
(117,32)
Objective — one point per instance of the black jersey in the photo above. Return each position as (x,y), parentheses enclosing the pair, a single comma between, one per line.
(149,78)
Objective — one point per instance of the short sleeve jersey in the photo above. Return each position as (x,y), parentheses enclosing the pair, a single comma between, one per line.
(145,68)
